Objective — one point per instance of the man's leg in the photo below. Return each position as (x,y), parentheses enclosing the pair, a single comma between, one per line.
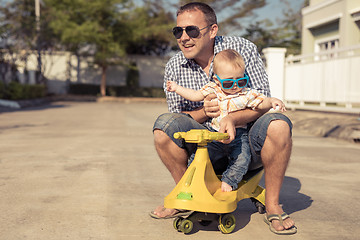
(172,152)
(270,137)
(174,158)
(275,156)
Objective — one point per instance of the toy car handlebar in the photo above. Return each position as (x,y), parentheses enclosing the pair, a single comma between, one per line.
(200,136)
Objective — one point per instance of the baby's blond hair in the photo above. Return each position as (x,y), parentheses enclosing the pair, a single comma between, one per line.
(231,57)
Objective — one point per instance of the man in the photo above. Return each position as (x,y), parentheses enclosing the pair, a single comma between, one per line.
(270,135)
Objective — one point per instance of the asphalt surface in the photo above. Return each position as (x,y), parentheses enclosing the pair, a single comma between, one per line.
(88,170)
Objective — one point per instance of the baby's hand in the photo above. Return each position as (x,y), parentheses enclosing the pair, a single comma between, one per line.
(278,103)
(171,86)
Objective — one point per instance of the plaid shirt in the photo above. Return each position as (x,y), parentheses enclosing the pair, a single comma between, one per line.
(187,73)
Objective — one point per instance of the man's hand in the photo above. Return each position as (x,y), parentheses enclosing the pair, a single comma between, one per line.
(227,126)
(211,108)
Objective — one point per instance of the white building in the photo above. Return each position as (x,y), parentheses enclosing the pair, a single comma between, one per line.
(330,24)
(326,76)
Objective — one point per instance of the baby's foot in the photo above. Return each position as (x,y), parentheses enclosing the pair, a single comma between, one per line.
(225,187)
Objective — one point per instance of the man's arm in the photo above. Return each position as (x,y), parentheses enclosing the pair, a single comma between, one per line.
(228,124)
(239,118)
(243,117)
(198,114)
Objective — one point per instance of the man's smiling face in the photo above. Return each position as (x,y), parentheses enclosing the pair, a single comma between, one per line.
(195,48)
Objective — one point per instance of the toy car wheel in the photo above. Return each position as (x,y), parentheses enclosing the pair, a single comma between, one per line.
(226,223)
(259,206)
(177,222)
(186,226)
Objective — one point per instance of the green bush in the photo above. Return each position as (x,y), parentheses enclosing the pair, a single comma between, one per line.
(36,91)
(17,91)
(13,91)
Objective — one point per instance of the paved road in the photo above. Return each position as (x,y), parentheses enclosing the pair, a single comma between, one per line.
(87,170)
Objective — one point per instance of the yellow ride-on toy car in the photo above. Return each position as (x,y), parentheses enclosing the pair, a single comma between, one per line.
(199,190)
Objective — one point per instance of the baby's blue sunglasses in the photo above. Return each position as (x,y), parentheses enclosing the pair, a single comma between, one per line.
(229,83)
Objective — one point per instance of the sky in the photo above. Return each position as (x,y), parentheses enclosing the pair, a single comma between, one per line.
(273,10)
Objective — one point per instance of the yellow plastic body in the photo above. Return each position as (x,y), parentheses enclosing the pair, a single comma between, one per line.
(200,189)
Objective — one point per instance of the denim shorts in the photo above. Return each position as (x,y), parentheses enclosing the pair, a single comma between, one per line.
(171,123)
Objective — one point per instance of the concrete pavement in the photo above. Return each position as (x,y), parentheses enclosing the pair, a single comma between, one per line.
(87,170)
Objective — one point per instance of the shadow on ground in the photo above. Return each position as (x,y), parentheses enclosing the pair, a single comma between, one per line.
(290,197)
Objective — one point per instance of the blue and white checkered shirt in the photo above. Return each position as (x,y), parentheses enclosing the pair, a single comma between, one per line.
(187,73)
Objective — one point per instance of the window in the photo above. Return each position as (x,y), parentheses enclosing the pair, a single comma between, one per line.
(321,47)
(356,17)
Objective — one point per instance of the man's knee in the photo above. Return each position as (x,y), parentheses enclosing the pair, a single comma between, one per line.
(167,124)
(160,137)
(279,132)
(270,127)
(162,121)
(279,127)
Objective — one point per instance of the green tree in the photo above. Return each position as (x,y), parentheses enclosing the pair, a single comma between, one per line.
(151,26)
(289,31)
(107,30)
(69,22)
(96,27)
(260,34)
(231,13)
(20,35)
(287,34)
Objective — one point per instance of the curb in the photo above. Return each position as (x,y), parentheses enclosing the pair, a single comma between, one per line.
(19,104)
(327,125)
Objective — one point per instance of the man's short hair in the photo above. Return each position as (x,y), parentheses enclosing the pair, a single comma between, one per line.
(209,13)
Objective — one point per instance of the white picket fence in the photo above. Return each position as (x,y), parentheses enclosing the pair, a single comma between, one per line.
(328,81)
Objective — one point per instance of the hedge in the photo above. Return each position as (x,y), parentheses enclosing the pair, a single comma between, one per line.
(17,91)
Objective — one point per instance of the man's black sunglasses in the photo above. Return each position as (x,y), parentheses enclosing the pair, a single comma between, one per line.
(191,31)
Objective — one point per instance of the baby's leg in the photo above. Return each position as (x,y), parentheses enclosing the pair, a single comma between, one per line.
(239,160)
(226,187)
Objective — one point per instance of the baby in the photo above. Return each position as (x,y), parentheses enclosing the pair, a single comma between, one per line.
(230,86)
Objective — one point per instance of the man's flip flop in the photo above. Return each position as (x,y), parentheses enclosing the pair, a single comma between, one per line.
(269,218)
(178,214)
